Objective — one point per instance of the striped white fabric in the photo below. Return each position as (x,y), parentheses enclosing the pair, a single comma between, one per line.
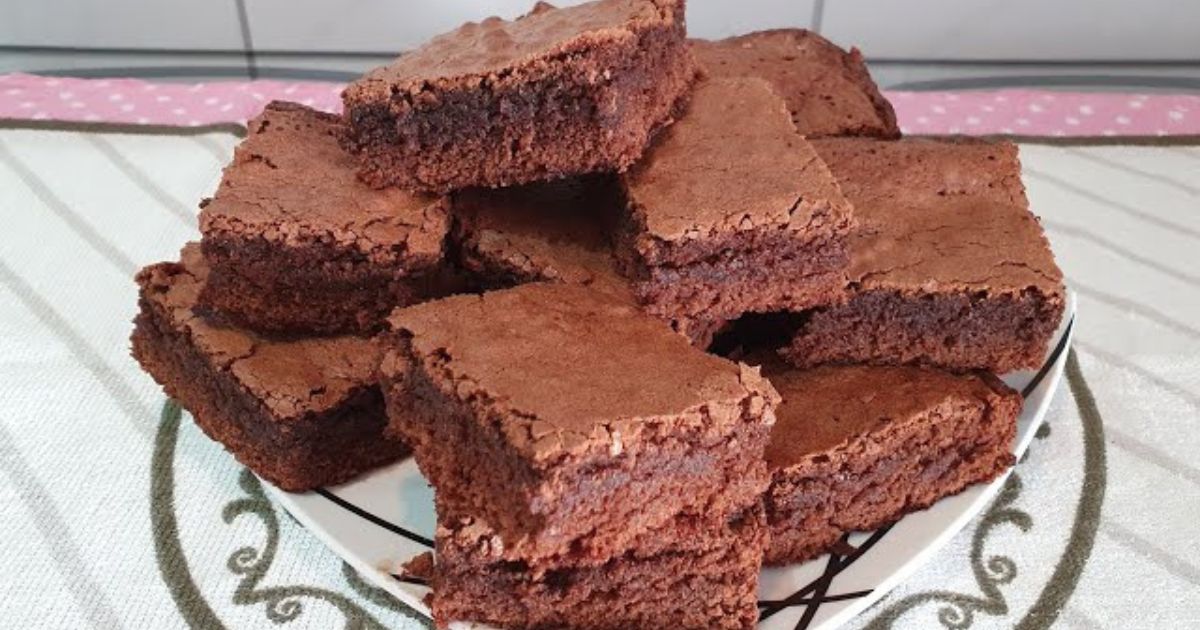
(117,513)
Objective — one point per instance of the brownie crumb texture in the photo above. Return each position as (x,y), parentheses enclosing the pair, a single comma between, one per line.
(302,413)
(554,93)
(544,410)
(950,268)
(732,211)
(297,245)
(856,448)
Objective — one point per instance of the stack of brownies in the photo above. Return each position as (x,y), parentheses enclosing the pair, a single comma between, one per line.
(542,255)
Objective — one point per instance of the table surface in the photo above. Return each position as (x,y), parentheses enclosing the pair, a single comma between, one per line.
(120,513)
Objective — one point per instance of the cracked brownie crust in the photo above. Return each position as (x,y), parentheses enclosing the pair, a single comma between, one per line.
(558,231)
(301,414)
(731,211)
(298,245)
(692,575)
(554,93)
(949,268)
(828,90)
(545,410)
(858,447)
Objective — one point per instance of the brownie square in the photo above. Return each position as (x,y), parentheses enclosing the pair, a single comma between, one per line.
(302,414)
(828,90)
(857,447)
(689,575)
(556,92)
(557,231)
(298,245)
(950,267)
(731,211)
(569,420)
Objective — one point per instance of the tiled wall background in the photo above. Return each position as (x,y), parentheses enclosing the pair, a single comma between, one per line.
(920,42)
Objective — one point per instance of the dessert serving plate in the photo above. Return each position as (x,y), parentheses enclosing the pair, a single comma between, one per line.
(381,520)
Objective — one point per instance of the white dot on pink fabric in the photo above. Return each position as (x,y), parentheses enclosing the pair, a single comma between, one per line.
(14,91)
(75,105)
(938,109)
(116,96)
(66,96)
(91,117)
(1024,122)
(179,111)
(26,105)
(1122,120)
(1135,104)
(1073,121)
(1175,115)
(127,107)
(1086,110)
(987,108)
(924,120)
(163,98)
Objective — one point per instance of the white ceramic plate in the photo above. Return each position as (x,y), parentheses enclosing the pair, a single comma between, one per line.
(379,521)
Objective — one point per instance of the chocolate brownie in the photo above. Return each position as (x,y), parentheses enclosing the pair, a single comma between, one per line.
(552,231)
(731,211)
(692,575)
(556,92)
(857,447)
(301,414)
(298,245)
(828,90)
(950,267)
(569,420)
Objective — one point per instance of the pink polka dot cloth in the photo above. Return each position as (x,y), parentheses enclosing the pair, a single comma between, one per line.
(1017,112)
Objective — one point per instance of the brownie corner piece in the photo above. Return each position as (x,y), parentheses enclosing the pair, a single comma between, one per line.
(857,447)
(553,93)
(731,211)
(544,410)
(300,413)
(687,577)
(828,90)
(297,245)
(950,268)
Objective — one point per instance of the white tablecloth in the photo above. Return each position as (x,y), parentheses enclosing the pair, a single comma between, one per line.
(116,514)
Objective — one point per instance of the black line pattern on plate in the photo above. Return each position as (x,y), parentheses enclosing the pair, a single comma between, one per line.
(818,588)
(1059,348)
(365,515)
(815,593)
